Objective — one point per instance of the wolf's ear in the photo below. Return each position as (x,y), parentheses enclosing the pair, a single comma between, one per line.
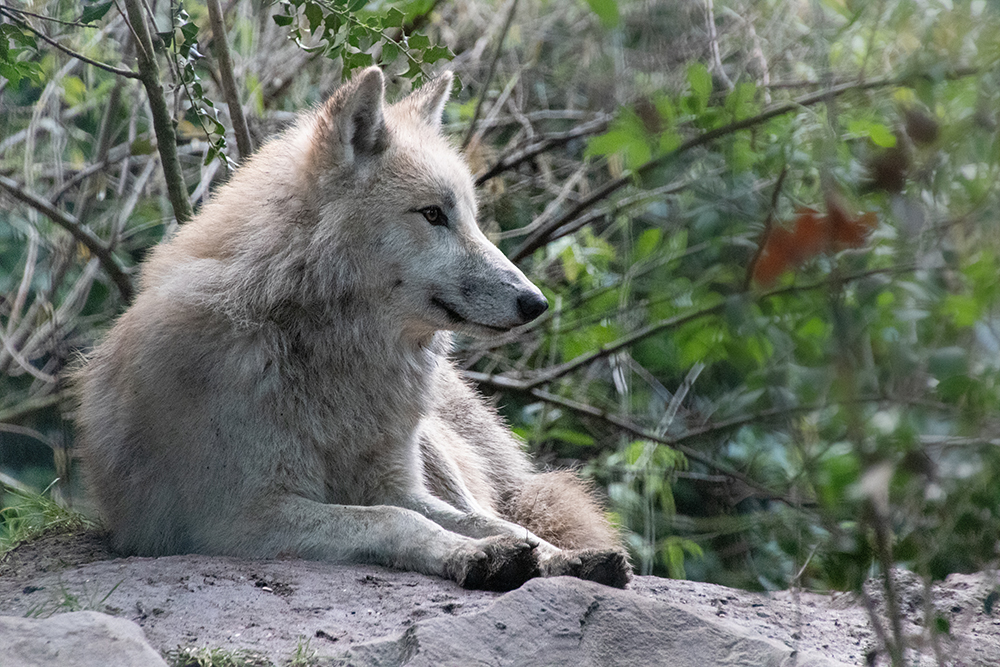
(351,125)
(428,102)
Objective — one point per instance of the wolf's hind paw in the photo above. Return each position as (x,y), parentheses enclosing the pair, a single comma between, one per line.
(496,564)
(604,566)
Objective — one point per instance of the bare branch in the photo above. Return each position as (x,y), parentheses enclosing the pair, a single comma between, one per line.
(768,223)
(489,73)
(30,406)
(539,146)
(79,232)
(120,152)
(229,88)
(713,41)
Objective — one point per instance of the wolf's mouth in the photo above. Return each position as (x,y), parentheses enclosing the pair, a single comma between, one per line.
(456,318)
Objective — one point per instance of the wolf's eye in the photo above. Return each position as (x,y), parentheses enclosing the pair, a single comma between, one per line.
(434,215)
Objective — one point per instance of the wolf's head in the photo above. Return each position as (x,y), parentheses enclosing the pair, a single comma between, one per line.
(397,213)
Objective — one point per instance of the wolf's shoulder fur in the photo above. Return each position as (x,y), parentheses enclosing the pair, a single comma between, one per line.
(281,384)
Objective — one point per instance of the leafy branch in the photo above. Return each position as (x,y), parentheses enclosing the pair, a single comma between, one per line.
(556,227)
(184,54)
(163,123)
(229,89)
(555,372)
(675,442)
(14,70)
(348,33)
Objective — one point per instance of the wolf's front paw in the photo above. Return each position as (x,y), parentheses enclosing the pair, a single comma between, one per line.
(494,564)
(605,566)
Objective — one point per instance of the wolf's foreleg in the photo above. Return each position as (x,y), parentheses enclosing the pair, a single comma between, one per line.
(381,534)
(606,566)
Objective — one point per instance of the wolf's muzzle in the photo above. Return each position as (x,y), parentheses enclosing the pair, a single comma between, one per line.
(530,305)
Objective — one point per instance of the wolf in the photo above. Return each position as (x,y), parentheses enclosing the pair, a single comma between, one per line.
(281,385)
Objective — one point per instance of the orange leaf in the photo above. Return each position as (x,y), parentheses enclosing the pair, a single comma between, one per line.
(777,256)
(847,231)
(811,236)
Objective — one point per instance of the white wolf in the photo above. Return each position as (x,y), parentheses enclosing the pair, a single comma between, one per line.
(281,384)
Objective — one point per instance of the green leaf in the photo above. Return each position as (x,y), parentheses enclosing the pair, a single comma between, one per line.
(740,102)
(356,5)
(963,309)
(571,436)
(877,132)
(282,20)
(74,90)
(607,11)
(669,142)
(419,42)
(390,51)
(18,36)
(740,154)
(142,147)
(626,137)
(393,18)
(700,82)
(647,243)
(11,73)
(587,339)
(436,53)
(190,32)
(94,12)
(314,14)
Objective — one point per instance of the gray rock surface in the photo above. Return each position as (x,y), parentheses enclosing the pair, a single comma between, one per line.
(358,615)
(76,639)
(575,623)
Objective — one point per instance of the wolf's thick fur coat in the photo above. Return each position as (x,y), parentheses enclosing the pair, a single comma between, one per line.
(281,385)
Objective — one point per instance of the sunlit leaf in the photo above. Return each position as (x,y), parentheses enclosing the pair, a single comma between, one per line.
(606,10)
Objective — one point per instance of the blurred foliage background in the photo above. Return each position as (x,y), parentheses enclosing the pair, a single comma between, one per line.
(767,229)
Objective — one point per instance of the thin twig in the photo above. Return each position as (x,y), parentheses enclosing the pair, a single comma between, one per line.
(41,17)
(880,524)
(617,207)
(23,22)
(25,286)
(768,223)
(713,41)
(79,232)
(229,88)
(489,74)
(623,424)
(546,143)
(874,619)
(30,406)
(117,154)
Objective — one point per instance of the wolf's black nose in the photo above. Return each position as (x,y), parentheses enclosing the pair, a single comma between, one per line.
(530,305)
